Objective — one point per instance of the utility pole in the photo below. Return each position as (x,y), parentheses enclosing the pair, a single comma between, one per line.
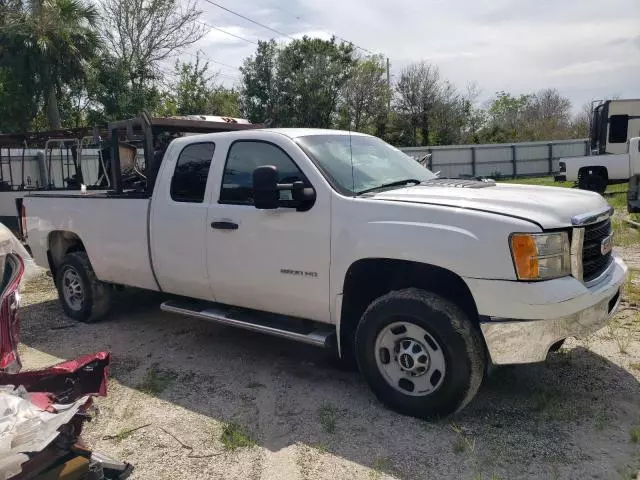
(389,87)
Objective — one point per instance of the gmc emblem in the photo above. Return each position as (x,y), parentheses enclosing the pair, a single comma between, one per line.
(606,244)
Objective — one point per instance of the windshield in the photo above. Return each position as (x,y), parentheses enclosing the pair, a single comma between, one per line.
(355,163)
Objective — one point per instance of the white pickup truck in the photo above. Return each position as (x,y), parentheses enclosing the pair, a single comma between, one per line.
(595,172)
(339,239)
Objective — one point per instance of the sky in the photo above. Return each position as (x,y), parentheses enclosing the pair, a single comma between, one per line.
(587,49)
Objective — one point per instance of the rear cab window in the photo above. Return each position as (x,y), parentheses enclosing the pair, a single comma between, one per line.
(189,180)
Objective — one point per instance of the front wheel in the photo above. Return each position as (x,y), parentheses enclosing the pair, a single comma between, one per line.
(420,354)
(594,183)
(83,297)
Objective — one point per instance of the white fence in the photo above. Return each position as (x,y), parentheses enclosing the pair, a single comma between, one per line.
(499,159)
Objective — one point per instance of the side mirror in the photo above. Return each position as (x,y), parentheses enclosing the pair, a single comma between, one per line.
(266,190)
(265,187)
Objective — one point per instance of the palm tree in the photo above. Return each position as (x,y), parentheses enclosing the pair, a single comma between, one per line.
(49,43)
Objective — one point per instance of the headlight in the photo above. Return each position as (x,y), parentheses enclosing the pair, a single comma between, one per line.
(541,256)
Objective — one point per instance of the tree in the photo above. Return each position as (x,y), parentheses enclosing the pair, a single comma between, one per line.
(418,91)
(113,96)
(193,89)
(143,33)
(548,115)
(295,85)
(507,115)
(258,94)
(19,101)
(194,92)
(365,95)
(581,122)
(311,75)
(225,102)
(545,115)
(47,45)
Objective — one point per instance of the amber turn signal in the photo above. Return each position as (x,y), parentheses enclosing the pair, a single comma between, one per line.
(525,256)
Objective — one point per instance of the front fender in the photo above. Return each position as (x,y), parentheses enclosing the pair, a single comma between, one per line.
(468,243)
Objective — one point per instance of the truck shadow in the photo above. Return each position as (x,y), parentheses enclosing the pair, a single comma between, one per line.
(563,415)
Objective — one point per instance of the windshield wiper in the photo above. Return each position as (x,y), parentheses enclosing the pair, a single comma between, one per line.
(399,183)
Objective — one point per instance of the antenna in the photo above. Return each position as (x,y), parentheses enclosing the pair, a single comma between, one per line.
(353,177)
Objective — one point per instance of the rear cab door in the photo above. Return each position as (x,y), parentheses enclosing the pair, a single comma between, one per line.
(178,219)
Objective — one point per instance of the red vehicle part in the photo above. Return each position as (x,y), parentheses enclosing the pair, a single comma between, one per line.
(65,382)
(12,271)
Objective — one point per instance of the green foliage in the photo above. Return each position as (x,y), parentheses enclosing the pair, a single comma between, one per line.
(259,94)
(18,101)
(235,436)
(193,88)
(224,101)
(194,93)
(113,96)
(544,115)
(365,96)
(297,85)
(46,46)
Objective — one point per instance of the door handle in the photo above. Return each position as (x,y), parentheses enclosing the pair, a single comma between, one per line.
(226,225)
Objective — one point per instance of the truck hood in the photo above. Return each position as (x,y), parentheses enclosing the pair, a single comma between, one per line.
(549,207)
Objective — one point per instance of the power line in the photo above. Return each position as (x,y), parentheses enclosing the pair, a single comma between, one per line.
(209,59)
(342,39)
(300,19)
(217,61)
(228,33)
(250,20)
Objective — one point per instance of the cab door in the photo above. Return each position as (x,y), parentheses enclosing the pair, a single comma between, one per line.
(270,260)
(178,226)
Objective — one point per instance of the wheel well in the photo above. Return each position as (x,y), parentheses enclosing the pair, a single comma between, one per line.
(60,244)
(596,170)
(371,278)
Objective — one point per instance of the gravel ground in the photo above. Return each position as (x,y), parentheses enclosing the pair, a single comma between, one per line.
(220,403)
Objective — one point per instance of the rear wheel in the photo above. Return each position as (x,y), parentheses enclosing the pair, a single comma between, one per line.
(82,296)
(419,353)
(593,182)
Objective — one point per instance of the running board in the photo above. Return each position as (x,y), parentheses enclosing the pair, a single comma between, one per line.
(305,331)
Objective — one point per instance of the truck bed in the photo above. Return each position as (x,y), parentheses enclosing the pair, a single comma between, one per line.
(117,225)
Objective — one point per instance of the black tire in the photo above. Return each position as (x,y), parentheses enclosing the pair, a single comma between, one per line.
(96,294)
(460,342)
(556,346)
(593,183)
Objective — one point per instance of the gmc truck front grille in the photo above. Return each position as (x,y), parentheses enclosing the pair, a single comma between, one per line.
(593,261)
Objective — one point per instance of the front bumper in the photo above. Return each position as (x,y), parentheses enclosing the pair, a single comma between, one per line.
(519,338)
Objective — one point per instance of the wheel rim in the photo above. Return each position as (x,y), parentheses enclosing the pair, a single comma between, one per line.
(410,359)
(72,289)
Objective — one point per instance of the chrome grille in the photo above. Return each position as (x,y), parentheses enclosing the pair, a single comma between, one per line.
(593,262)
